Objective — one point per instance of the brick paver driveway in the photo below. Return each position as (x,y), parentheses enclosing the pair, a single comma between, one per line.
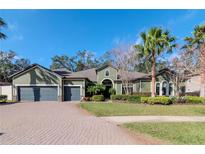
(58,123)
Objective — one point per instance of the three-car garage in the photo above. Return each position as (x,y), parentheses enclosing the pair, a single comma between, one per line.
(39,84)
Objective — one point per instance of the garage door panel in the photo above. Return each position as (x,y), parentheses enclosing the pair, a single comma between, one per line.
(38,93)
(72,93)
(48,94)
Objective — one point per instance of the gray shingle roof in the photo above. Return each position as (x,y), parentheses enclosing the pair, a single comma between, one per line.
(89,73)
(130,75)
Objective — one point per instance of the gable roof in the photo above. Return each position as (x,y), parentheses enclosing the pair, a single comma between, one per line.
(33,66)
(104,66)
(90,74)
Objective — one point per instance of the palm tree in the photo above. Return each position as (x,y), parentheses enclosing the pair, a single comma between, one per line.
(2,24)
(154,42)
(197,42)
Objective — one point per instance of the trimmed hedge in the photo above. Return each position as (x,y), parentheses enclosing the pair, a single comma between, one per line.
(119,97)
(142,94)
(3,98)
(144,100)
(98,98)
(159,100)
(131,98)
(156,100)
(195,100)
(163,100)
(7,102)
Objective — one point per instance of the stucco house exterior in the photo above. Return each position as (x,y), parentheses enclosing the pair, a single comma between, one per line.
(37,83)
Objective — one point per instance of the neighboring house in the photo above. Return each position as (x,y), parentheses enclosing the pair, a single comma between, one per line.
(193,83)
(37,83)
(6,89)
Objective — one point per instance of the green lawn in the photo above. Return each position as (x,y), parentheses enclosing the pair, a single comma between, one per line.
(175,133)
(123,109)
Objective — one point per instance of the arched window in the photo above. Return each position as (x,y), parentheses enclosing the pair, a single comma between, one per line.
(157,88)
(165,88)
(171,89)
(107,73)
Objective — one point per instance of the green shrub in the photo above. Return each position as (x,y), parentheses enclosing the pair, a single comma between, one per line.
(159,100)
(131,98)
(112,91)
(135,99)
(7,101)
(142,94)
(119,97)
(195,100)
(178,100)
(97,89)
(156,100)
(98,98)
(3,98)
(144,99)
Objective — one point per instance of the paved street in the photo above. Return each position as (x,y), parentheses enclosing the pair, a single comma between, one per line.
(59,123)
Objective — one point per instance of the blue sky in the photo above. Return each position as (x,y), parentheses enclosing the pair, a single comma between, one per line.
(40,34)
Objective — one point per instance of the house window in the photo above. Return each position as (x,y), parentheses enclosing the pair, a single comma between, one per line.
(171,89)
(127,88)
(107,73)
(157,88)
(164,88)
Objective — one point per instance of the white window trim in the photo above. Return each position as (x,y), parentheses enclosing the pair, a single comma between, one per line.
(107,79)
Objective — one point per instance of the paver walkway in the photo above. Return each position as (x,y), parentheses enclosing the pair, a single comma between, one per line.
(127,119)
(59,123)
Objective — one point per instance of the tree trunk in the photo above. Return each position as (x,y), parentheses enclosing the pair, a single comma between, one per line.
(202,70)
(153,74)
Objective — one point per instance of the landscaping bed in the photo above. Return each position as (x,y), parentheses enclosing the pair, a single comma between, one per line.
(125,109)
(4,101)
(172,132)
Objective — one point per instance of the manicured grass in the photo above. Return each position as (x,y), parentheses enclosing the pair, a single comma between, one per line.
(123,109)
(175,133)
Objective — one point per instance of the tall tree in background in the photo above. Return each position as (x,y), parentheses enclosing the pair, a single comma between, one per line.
(124,61)
(155,42)
(63,61)
(2,24)
(9,64)
(197,42)
(81,61)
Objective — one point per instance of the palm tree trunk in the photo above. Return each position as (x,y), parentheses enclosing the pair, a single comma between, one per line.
(202,70)
(153,74)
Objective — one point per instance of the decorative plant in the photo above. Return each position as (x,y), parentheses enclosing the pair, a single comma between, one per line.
(112,91)
(97,89)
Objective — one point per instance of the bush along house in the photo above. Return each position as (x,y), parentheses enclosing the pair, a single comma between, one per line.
(37,83)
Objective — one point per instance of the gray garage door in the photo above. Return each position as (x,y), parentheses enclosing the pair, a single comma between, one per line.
(71,93)
(38,93)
